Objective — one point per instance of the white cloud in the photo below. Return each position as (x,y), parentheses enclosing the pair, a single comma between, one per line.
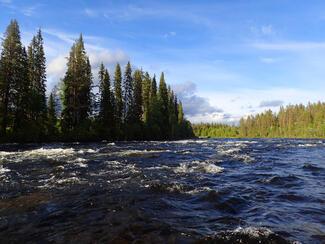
(193,104)
(267,30)
(170,34)
(270,103)
(240,103)
(29,11)
(288,46)
(57,66)
(90,12)
(268,60)
(58,44)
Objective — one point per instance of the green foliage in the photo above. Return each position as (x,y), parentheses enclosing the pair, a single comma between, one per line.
(132,109)
(106,111)
(51,123)
(77,92)
(127,94)
(118,110)
(293,121)
(215,130)
(37,79)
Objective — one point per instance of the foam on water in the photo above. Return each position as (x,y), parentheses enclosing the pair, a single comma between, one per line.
(198,167)
(254,231)
(3,170)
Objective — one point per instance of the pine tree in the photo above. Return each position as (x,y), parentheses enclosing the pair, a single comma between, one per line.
(118,109)
(22,123)
(153,124)
(163,106)
(146,86)
(37,78)
(106,111)
(12,69)
(52,130)
(77,91)
(127,94)
(137,97)
(172,118)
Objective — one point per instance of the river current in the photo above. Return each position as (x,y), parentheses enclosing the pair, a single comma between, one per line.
(191,191)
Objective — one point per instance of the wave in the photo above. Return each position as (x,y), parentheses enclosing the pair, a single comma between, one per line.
(198,167)
(236,154)
(3,170)
(141,153)
(248,235)
(175,187)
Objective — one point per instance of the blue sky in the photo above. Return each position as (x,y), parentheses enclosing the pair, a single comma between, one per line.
(226,58)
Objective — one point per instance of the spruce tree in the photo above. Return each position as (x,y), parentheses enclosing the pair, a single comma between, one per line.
(12,69)
(77,91)
(172,119)
(37,78)
(153,124)
(137,97)
(163,106)
(127,94)
(106,111)
(146,86)
(118,109)
(51,123)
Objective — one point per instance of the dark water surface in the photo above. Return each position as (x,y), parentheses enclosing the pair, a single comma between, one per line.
(227,191)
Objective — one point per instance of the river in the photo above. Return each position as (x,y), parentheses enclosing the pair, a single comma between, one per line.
(218,190)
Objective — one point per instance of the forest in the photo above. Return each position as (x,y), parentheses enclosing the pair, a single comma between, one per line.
(125,105)
(292,121)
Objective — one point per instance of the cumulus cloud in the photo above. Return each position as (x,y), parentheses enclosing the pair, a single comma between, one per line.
(194,105)
(106,56)
(56,67)
(271,103)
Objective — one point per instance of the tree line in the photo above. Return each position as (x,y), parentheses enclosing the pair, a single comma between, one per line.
(126,105)
(292,121)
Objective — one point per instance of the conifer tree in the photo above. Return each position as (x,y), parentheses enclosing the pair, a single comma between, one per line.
(137,97)
(12,68)
(163,106)
(118,109)
(106,111)
(172,118)
(153,124)
(127,94)
(37,78)
(52,130)
(77,90)
(146,86)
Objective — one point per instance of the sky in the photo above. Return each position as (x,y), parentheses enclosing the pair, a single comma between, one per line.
(226,59)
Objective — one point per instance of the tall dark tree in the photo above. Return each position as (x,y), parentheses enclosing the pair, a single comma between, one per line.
(137,97)
(134,109)
(13,79)
(146,86)
(37,78)
(127,94)
(52,130)
(163,106)
(118,108)
(77,90)
(106,111)
(172,117)
(153,124)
